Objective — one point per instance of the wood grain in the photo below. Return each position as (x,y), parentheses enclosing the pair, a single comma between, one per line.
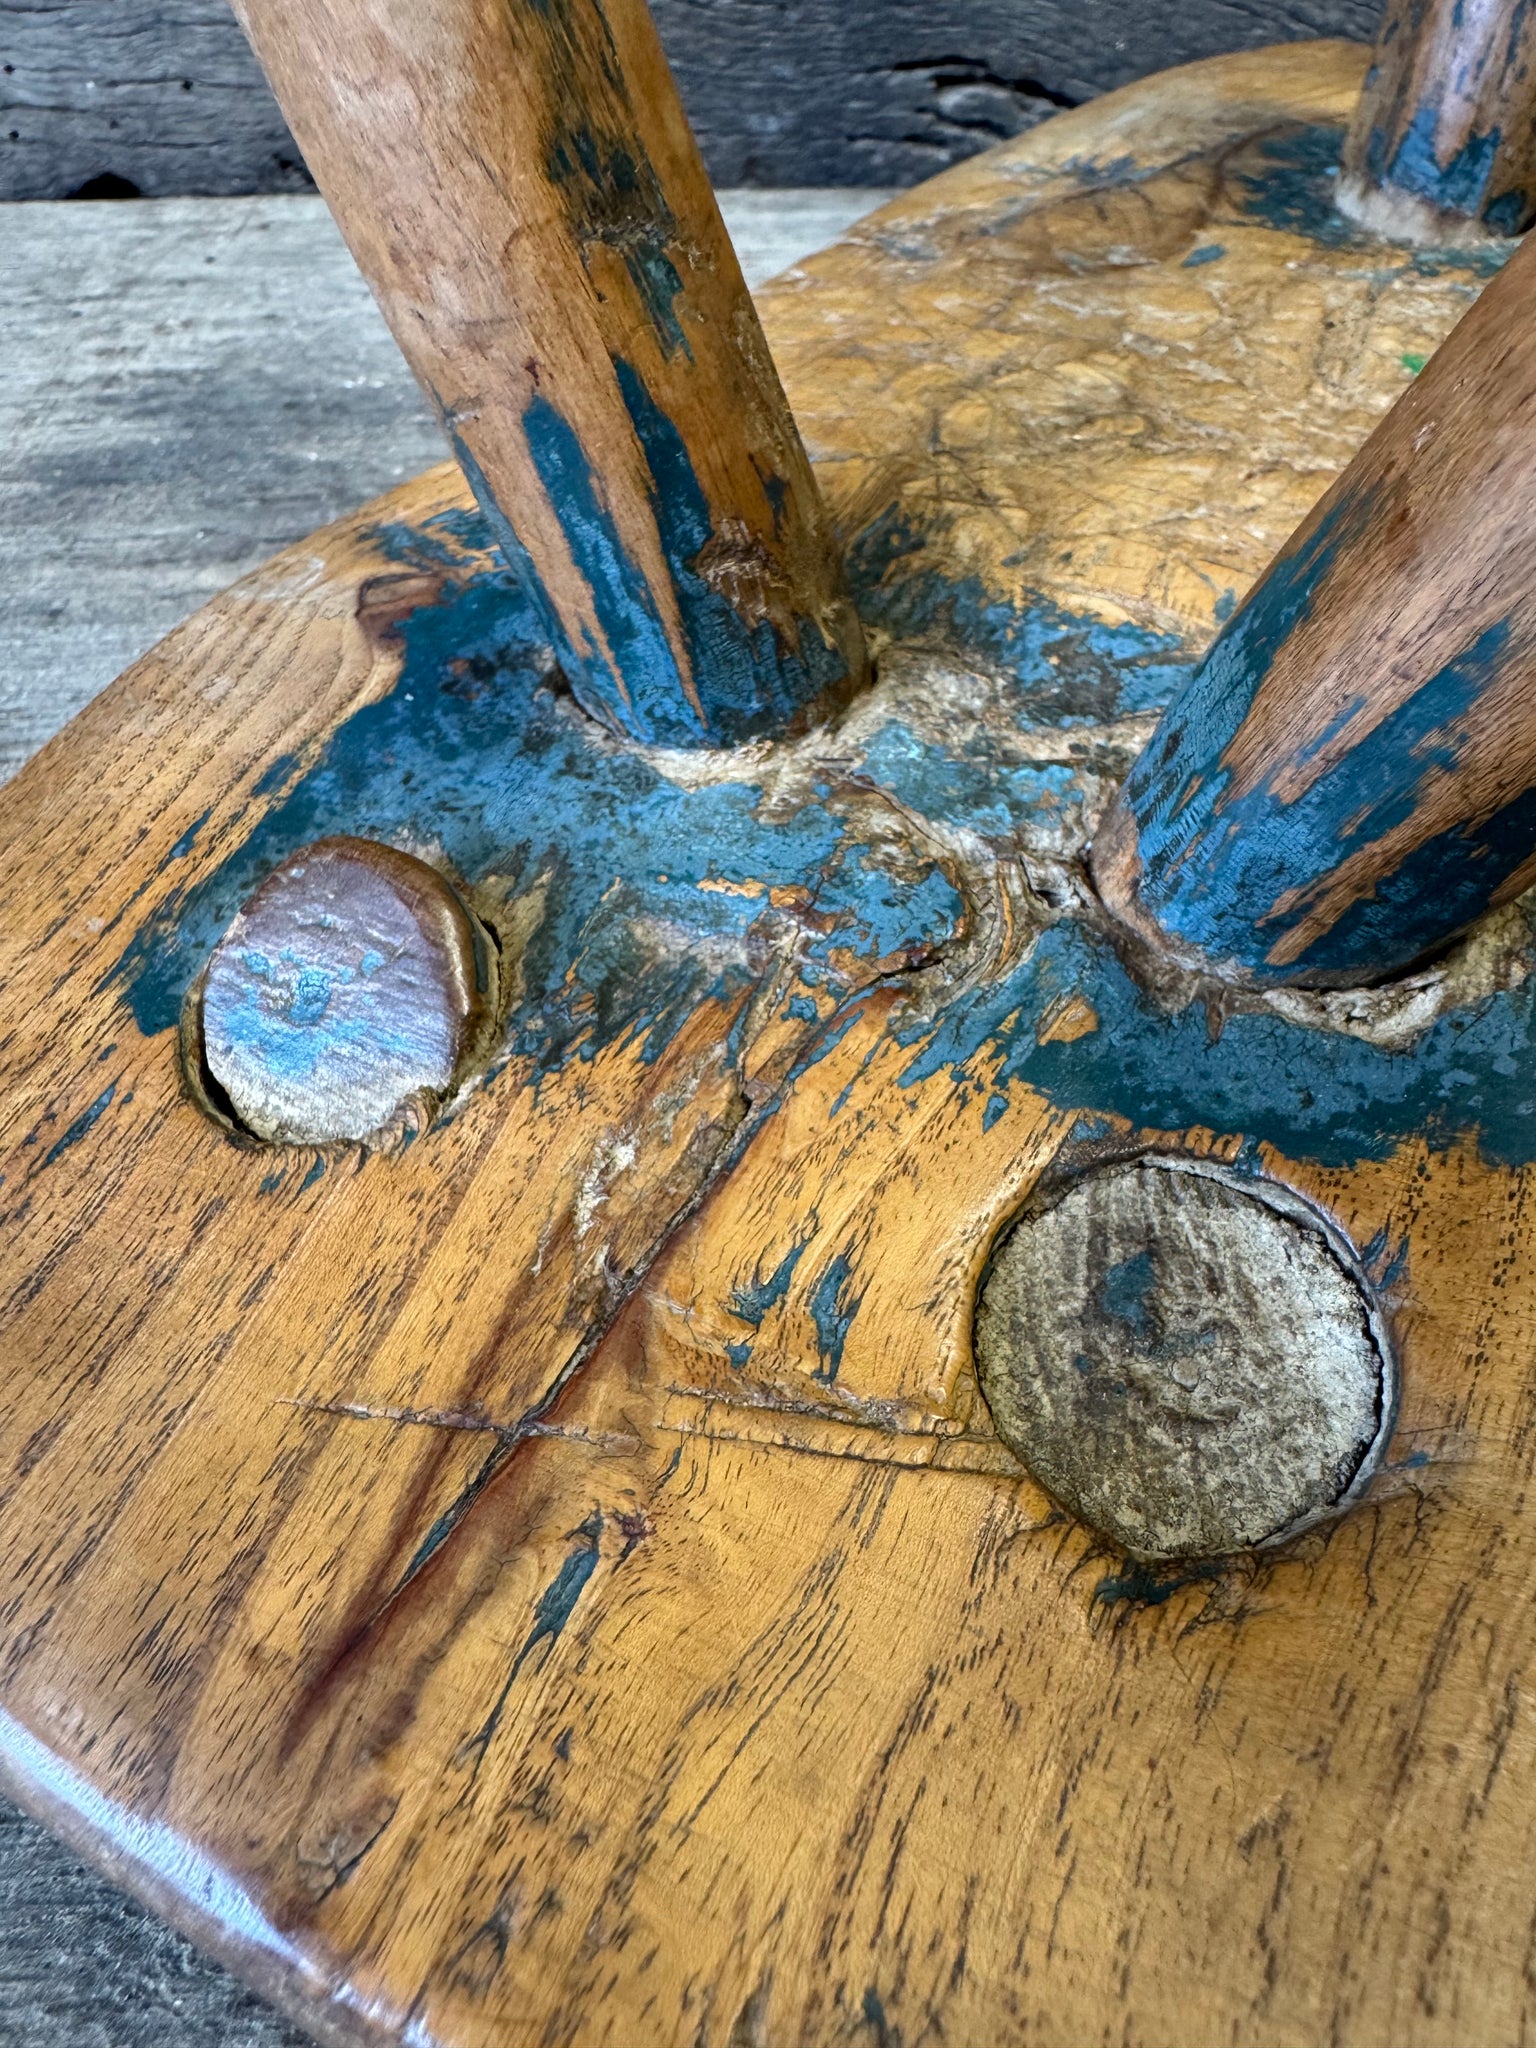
(1350,780)
(520,187)
(1446,127)
(557,1580)
(839,92)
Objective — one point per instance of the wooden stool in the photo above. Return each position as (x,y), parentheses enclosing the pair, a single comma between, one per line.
(766,1273)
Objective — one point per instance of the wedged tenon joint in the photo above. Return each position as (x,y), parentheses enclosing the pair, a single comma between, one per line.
(1349,778)
(520,187)
(1445,121)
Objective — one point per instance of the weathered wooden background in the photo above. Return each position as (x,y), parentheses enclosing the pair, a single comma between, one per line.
(163,97)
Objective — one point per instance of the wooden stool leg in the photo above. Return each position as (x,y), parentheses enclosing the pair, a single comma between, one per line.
(1350,776)
(520,187)
(1445,133)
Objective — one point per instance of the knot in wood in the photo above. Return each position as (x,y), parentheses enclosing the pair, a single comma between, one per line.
(347,990)
(1189,1362)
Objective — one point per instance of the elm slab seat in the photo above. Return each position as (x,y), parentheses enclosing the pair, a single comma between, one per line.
(556,1578)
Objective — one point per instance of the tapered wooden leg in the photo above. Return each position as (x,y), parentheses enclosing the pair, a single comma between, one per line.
(520,187)
(1445,132)
(1350,777)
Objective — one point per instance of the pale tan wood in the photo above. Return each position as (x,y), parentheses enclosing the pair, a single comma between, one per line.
(521,189)
(848,1732)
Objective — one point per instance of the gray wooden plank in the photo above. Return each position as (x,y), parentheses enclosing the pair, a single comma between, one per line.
(163,94)
(189,385)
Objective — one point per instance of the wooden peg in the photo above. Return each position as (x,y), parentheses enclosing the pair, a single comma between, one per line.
(348,989)
(1349,778)
(1445,132)
(1186,1360)
(519,185)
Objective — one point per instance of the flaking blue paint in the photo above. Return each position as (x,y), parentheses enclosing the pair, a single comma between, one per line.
(1234,874)
(750,678)
(751,1303)
(1293,186)
(471,751)
(834,1302)
(1460,185)
(1072,670)
(743,676)
(1313,1095)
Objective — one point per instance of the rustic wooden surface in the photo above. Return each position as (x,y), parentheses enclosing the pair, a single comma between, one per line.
(556,1581)
(123,510)
(164,95)
(526,199)
(1446,128)
(192,385)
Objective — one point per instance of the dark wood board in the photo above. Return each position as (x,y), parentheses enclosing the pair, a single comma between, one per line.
(164,96)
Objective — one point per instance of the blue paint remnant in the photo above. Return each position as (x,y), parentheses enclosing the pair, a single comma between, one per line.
(84,1123)
(1460,185)
(971,778)
(181,847)
(284,1021)
(1209,252)
(270,1183)
(1235,875)
(511,782)
(1313,1095)
(1147,1585)
(615,200)
(557,1602)
(833,1305)
(736,678)
(739,1355)
(1125,1294)
(553,1609)
(1074,670)
(639,690)
(751,679)
(751,1303)
(316,1172)
(278,771)
(1293,191)
(311,996)
(1176,789)
(1384,1260)
(873,2013)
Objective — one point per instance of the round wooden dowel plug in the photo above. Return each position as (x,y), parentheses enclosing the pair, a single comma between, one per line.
(346,991)
(520,187)
(1445,132)
(1349,778)
(1185,1362)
